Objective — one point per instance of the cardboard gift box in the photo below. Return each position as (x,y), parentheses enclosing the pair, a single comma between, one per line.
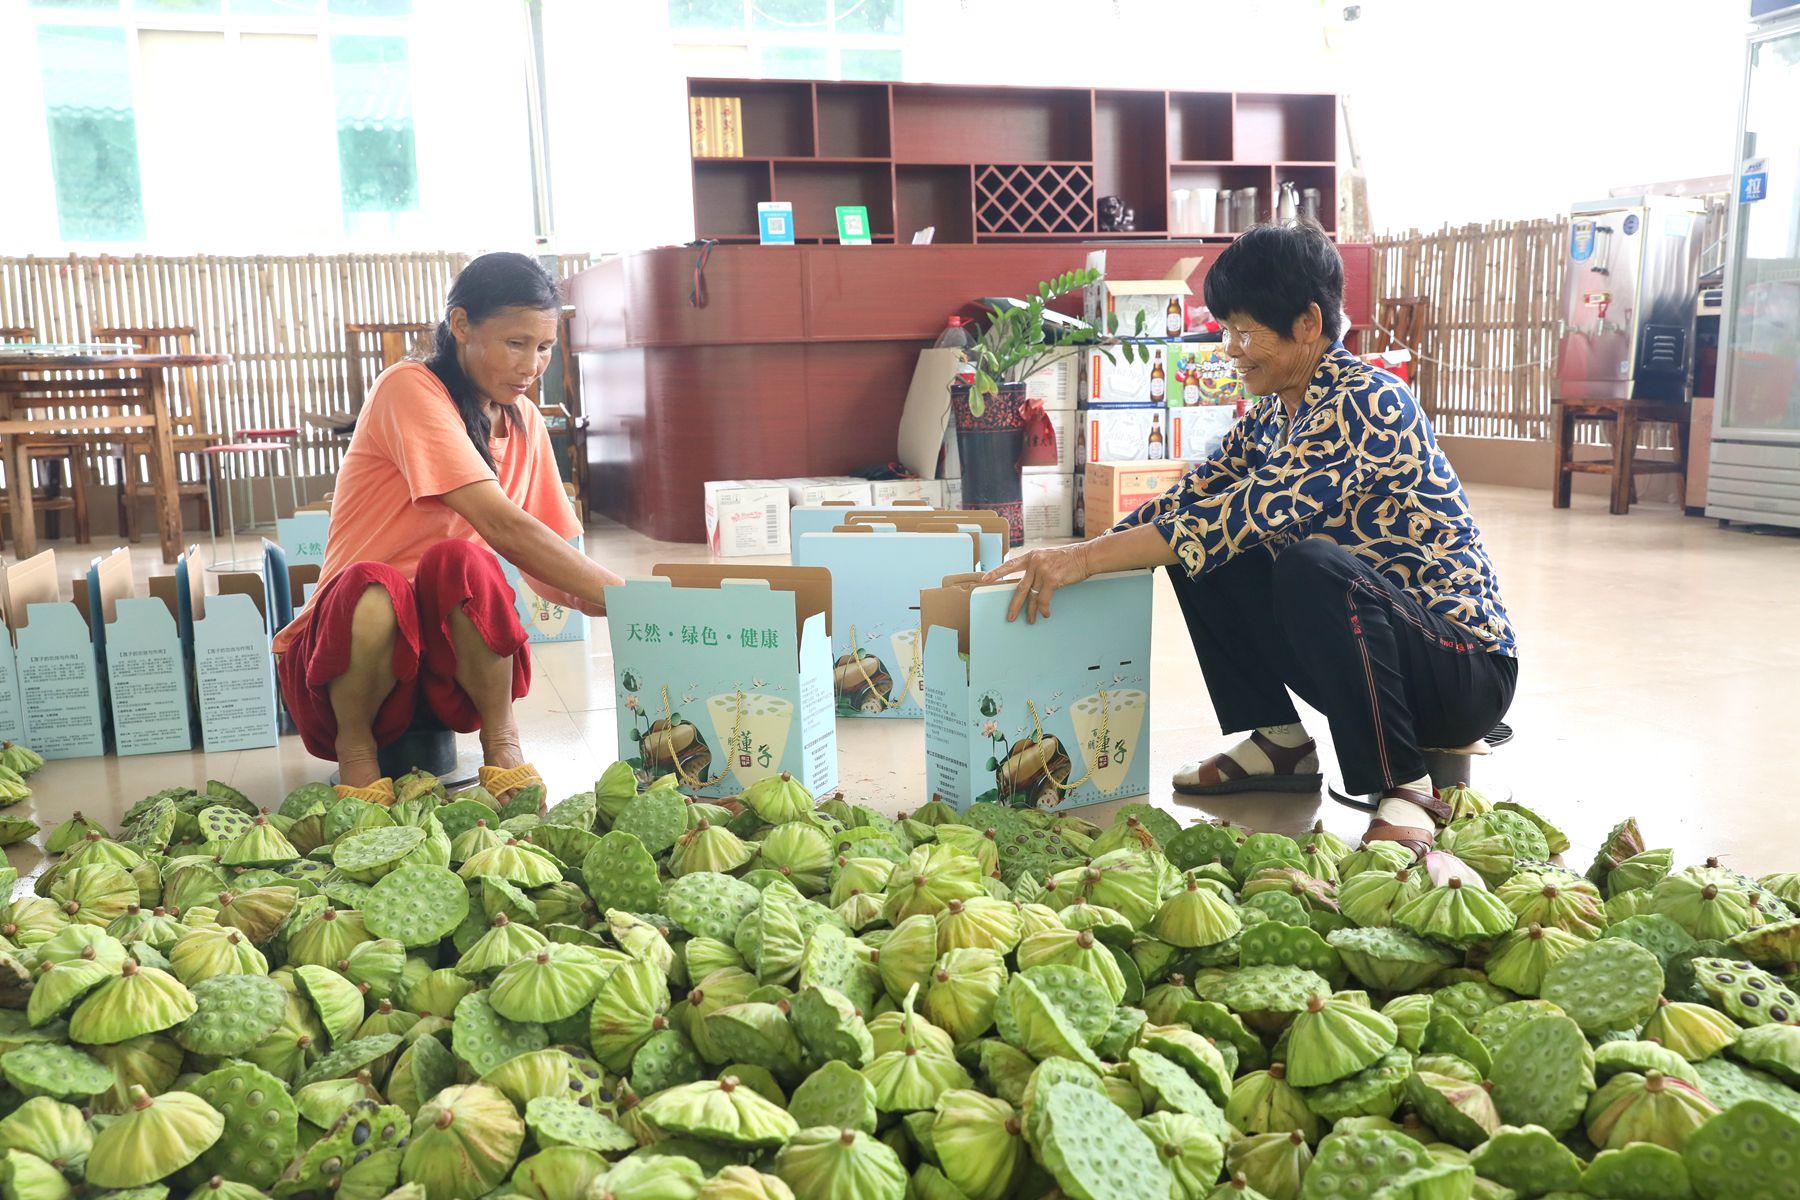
(723,676)
(1123,434)
(1195,433)
(1052,715)
(746,516)
(1199,373)
(1056,383)
(226,640)
(817,518)
(898,491)
(138,644)
(1049,506)
(545,620)
(302,536)
(57,668)
(825,489)
(992,533)
(1111,491)
(1162,302)
(877,572)
(1110,378)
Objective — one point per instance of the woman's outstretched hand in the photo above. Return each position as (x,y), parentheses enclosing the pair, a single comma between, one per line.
(1040,573)
(597,608)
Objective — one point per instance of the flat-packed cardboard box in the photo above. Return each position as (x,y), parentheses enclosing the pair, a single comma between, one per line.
(822,489)
(877,573)
(746,516)
(1049,715)
(723,675)
(1049,506)
(991,529)
(1199,373)
(1111,491)
(545,620)
(817,518)
(1123,434)
(302,536)
(226,637)
(898,491)
(139,644)
(1195,433)
(1066,422)
(1118,380)
(925,425)
(58,670)
(1163,302)
(953,492)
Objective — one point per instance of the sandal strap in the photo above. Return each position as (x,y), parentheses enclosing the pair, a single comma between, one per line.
(501,780)
(1439,810)
(1285,759)
(1419,841)
(380,792)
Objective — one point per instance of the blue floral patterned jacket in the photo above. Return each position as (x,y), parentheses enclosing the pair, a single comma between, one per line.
(1361,467)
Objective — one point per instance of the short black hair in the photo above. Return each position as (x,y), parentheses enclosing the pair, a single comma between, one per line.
(1272,272)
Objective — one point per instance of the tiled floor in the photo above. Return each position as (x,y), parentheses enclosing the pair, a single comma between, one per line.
(1660,675)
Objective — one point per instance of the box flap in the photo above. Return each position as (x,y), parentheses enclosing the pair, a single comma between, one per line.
(162,587)
(1184,269)
(30,582)
(957,526)
(243,583)
(195,572)
(810,586)
(947,607)
(935,518)
(117,582)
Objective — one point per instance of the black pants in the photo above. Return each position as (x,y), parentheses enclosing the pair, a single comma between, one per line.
(1390,675)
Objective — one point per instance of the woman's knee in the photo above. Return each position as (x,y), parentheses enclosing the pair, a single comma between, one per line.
(374,626)
(1305,565)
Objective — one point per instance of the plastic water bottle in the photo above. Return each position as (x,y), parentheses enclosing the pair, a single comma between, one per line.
(956,336)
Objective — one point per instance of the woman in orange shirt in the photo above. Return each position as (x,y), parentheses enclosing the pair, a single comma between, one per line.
(449,465)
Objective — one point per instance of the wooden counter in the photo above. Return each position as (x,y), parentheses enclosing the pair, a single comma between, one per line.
(799,360)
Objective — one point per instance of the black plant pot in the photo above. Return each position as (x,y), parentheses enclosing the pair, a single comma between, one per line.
(990,446)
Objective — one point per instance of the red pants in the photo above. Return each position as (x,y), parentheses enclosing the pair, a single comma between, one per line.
(452,574)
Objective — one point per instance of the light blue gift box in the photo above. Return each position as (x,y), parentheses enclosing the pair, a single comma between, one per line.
(545,620)
(877,573)
(12,715)
(1054,714)
(823,518)
(145,678)
(59,682)
(227,640)
(302,537)
(723,676)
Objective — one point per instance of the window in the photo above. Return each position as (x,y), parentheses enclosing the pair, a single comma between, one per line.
(794,39)
(93,132)
(377,160)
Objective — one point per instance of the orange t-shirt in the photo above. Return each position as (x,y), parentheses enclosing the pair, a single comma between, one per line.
(410,447)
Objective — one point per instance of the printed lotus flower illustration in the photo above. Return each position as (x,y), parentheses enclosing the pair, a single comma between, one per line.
(991,730)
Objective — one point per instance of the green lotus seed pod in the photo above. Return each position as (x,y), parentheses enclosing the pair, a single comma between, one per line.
(154,1137)
(1646,1108)
(464,1142)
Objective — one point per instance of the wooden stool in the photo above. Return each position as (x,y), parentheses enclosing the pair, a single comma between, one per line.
(1623,464)
(1447,766)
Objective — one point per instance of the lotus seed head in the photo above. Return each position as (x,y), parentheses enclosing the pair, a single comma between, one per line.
(1297,1138)
(88,953)
(502,919)
(130,967)
(728,1084)
(1536,932)
(1653,1081)
(1013,1127)
(911,1051)
(1551,891)
(385,1007)
(72,907)
(444,1118)
(943,976)
(955,907)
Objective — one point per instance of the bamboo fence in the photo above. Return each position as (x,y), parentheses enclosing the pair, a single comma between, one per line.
(280,318)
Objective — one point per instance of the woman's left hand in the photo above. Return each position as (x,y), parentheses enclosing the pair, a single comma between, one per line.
(1041,572)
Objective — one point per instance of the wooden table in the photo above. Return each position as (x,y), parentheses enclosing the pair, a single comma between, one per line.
(43,381)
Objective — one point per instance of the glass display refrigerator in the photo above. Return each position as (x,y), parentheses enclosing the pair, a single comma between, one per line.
(1755,458)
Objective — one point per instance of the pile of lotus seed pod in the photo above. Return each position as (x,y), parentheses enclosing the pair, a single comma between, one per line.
(637,996)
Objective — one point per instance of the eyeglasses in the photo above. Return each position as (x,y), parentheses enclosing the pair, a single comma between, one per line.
(1239,337)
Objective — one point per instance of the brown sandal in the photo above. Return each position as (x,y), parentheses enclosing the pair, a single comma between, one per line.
(1419,841)
(1228,776)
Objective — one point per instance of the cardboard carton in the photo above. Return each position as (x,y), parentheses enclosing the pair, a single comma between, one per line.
(723,675)
(1118,380)
(896,491)
(824,489)
(545,620)
(1056,384)
(1195,433)
(877,572)
(746,516)
(58,670)
(1113,490)
(1199,373)
(1049,506)
(138,640)
(226,638)
(1123,434)
(1163,302)
(953,492)
(1048,715)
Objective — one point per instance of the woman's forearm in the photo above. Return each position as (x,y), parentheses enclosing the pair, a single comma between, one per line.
(546,559)
(1128,550)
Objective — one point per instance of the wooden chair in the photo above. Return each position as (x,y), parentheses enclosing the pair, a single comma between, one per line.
(51,498)
(191,433)
(1623,463)
(1403,317)
(393,340)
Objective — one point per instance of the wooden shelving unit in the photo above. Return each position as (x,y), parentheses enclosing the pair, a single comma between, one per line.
(1003,164)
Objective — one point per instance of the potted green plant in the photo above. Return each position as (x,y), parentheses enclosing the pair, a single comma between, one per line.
(991,411)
